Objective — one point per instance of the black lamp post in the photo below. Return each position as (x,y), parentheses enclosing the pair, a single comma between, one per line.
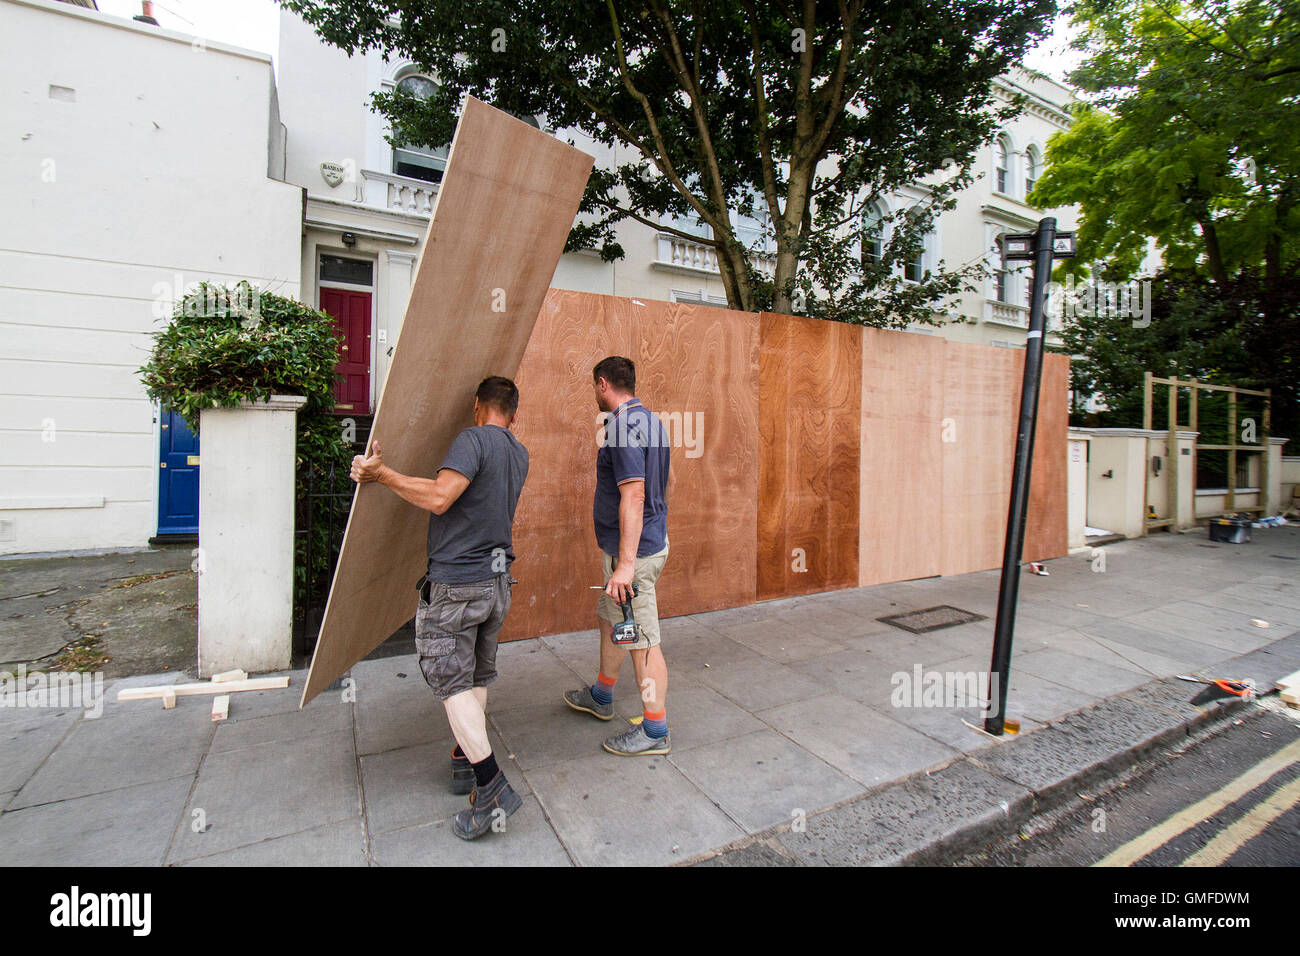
(1041,248)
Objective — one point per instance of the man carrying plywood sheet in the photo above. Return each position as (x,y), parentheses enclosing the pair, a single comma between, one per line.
(465,593)
(504,210)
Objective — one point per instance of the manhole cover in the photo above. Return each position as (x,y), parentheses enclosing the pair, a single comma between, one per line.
(931,619)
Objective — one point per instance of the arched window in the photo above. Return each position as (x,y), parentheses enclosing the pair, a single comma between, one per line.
(1032,167)
(1001,165)
(873,235)
(419,162)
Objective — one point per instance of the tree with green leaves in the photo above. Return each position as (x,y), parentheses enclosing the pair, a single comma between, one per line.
(1187,137)
(1188,134)
(801,116)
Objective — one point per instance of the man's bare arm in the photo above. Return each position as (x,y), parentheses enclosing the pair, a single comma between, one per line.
(431,494)
(631,514)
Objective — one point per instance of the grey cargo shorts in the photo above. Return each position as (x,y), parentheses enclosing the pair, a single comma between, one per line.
(456,628)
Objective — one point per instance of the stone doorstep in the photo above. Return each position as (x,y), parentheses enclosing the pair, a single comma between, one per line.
(992,822)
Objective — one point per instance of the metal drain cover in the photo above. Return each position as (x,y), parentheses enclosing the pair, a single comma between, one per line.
(931,619)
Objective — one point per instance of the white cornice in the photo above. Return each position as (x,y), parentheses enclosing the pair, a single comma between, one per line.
(330,225)
(1036,104)
(1010,216)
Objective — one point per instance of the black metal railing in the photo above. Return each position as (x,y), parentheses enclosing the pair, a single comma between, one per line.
(321,516)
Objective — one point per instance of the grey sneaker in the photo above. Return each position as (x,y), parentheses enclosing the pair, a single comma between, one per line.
(583,701)
(636,742)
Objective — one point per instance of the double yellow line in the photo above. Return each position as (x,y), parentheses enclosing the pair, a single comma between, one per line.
(1233,837)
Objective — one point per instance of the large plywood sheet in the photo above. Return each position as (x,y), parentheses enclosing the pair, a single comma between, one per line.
(903,432)
(697,367)
(503,212)
(1046,527)
(982,400)
(810,398)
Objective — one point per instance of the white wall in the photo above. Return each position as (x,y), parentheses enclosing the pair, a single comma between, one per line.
(138,162)
(1288,478)
(324,103)
(1077,491)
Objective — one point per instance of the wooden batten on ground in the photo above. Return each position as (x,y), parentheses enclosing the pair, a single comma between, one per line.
(1289,689)
(167,692)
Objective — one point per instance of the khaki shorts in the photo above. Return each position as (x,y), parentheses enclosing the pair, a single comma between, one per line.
(645,609)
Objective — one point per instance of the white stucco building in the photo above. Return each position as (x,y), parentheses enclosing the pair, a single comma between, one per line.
(136,161)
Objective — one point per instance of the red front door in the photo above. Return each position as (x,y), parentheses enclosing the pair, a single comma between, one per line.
(351,313)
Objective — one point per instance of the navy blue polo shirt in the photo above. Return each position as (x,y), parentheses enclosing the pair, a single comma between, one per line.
(635,446)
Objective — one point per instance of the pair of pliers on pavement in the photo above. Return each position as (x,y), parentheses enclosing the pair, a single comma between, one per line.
(1220,688)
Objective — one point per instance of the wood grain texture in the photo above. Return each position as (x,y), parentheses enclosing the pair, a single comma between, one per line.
(982,397)
(696,365)
(1047,533)
(902,464)
(502,214)
(810,398)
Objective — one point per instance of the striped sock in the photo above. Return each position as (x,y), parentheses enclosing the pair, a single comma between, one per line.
(602,692)
(656,725)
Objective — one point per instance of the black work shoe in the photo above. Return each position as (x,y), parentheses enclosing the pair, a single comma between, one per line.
(487,805)
(462,775)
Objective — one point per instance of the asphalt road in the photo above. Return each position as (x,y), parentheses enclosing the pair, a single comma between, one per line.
(1228,799)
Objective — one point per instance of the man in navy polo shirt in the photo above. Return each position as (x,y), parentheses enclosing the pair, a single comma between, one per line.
(630,511)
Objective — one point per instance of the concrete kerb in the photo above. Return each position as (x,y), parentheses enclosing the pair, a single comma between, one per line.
(1023,777)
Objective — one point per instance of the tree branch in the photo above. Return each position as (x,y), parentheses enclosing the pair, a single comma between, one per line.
(661,160)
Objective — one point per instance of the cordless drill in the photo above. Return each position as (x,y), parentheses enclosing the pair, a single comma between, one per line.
(626,631)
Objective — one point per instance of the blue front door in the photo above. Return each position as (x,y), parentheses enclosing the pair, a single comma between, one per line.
(178,477)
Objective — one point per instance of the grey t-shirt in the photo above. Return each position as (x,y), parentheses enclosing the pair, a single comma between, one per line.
(472,541)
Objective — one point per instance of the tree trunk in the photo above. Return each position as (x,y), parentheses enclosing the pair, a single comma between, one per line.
(1213,255)
(787,238)
(735,276)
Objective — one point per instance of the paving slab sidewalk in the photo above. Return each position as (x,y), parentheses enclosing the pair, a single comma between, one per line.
(138,608)
(787,744)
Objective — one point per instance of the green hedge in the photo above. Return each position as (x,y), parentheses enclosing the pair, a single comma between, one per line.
(229,344)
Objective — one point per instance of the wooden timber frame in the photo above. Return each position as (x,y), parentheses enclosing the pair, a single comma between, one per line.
(1260,448)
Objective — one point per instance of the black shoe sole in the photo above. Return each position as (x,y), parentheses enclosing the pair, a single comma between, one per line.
(667,748)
